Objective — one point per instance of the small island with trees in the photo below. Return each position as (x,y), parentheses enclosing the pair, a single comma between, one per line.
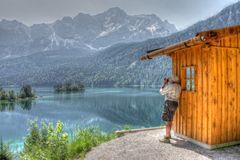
(25,93)
(69,88)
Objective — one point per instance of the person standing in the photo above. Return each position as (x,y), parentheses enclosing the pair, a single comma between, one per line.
(171,89)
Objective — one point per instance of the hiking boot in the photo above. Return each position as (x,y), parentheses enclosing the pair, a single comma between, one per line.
(165,139)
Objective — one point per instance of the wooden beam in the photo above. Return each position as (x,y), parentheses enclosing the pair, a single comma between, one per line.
(138,130)
(166,51)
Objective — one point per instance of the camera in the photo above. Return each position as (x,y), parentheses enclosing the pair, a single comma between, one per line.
(166,79)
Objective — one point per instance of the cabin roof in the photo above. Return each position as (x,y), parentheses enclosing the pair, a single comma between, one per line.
(205,37)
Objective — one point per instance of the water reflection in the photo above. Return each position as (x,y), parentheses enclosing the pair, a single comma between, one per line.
(10,106)
(138,108)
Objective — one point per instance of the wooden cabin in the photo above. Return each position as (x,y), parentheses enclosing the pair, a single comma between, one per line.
(208,66)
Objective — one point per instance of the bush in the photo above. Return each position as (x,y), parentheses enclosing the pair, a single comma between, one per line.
(127,127)
(3,95)
(11,96)
(46,142)
(68,87)
(5,153)
(26,92)
(85,139)
(51,143)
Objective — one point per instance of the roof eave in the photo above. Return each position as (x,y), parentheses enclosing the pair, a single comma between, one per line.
(168,50)
(200,38)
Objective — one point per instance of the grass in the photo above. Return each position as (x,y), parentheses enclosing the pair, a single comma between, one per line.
(85,139)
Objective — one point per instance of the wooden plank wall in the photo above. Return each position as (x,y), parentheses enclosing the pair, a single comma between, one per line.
(212,113)
(205,95)
(238,87)
(189,109)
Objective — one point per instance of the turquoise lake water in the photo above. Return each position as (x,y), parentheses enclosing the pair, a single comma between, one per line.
(107,108)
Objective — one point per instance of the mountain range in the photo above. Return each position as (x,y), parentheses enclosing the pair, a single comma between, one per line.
(84,32)
(115,65)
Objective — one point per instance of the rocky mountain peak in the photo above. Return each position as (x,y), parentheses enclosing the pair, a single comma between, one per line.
(85,31)
(115,10)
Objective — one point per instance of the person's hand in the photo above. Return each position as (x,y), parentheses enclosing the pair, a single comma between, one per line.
(165,81)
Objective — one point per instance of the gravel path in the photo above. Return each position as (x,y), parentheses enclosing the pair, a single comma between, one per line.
(145,146)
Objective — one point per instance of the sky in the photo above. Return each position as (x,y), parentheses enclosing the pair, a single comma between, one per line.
(182,13)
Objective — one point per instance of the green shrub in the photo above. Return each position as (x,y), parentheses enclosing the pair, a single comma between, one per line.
(127,127)
(4,95)
(11,96)
(85,139)
(46,142)
(5,153)
(26,92)
(69,87)
(51,143)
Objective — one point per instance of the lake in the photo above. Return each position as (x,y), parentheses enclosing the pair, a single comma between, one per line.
(107,108)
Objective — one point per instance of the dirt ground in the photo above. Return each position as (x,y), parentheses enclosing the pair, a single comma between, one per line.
(146,146)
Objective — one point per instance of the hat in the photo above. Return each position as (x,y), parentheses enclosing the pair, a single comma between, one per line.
(174,79)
